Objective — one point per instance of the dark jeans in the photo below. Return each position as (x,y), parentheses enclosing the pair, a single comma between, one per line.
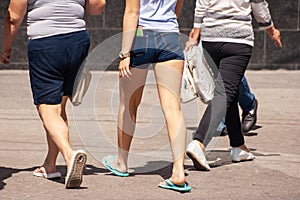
(246,97)
(231,60)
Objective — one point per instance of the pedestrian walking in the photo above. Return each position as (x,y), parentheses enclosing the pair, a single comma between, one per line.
(225,28)
(153,26)
(58,44)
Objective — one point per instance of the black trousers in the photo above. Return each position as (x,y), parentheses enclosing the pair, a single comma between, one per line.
(231,61)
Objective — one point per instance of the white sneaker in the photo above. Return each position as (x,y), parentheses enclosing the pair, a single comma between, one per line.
(238,155)
(195,152)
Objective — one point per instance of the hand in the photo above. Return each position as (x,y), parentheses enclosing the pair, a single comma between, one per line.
(124,69)
(274,34)
(5,57)
(189,43)
(193,38)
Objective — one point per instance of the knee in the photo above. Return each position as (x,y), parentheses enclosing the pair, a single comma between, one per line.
(129,109)
(171,111)
(48,110)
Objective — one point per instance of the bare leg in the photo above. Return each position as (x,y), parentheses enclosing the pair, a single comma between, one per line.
(131,91)
(50,160)
(168,76)
(55,123)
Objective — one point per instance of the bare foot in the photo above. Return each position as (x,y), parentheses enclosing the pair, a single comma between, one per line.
(178,177)
(175,180)
(117,163)
(45,169)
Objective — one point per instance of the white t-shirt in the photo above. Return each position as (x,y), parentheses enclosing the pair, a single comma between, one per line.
(53,17)
(158,15)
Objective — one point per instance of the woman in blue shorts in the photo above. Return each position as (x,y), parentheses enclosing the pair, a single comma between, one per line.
(58,44)
(156,42)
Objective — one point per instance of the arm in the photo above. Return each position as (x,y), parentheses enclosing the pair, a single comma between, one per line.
(130,21)
(178,7)
(95,7)
(194,36)
(13,19)
(262,15)
(201,7)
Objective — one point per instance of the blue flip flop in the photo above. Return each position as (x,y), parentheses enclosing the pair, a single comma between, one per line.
(110,168)
(171,186)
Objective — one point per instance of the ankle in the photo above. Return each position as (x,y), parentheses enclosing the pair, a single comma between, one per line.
(201,145)
(120,164)
(177,177)
(47,168)
(49,162)
(68,156)
(244,148)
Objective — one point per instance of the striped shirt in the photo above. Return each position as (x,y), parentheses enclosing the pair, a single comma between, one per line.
(230,20)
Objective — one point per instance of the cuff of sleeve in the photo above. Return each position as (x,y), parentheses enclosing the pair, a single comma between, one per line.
(264,27)
(197,25)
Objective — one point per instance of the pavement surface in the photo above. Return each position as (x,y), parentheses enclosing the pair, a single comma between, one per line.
(274,174)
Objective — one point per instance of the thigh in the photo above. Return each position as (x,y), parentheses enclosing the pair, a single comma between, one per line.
(131,89)
(168,77)
(232,68)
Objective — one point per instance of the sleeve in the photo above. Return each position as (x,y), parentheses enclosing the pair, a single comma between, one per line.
(261,13)
(200,9)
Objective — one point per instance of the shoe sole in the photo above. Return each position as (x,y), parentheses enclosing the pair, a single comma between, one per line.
(74,179)
(197,164)
(245,160)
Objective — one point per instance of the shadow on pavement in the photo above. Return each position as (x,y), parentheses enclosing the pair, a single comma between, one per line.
(218,158)
(164,172)
(92,170)
(6,173)
(89,170)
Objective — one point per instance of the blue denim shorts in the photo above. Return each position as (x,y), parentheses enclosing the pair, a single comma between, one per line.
(53,65)
(154,47)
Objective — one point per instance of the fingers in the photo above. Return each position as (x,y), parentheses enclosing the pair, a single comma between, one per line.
(125,72)
(124,69)
(275,35)
(277,38)
(278,43)
(190,43)
(5,57)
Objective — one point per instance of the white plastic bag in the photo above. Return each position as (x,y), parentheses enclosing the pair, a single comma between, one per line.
(81,84)
(197,76)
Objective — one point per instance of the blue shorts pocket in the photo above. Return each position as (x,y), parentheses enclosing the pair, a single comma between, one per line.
(139,46)
(171,42)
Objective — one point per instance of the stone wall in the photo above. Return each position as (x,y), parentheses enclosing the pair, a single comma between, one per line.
(286,17)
